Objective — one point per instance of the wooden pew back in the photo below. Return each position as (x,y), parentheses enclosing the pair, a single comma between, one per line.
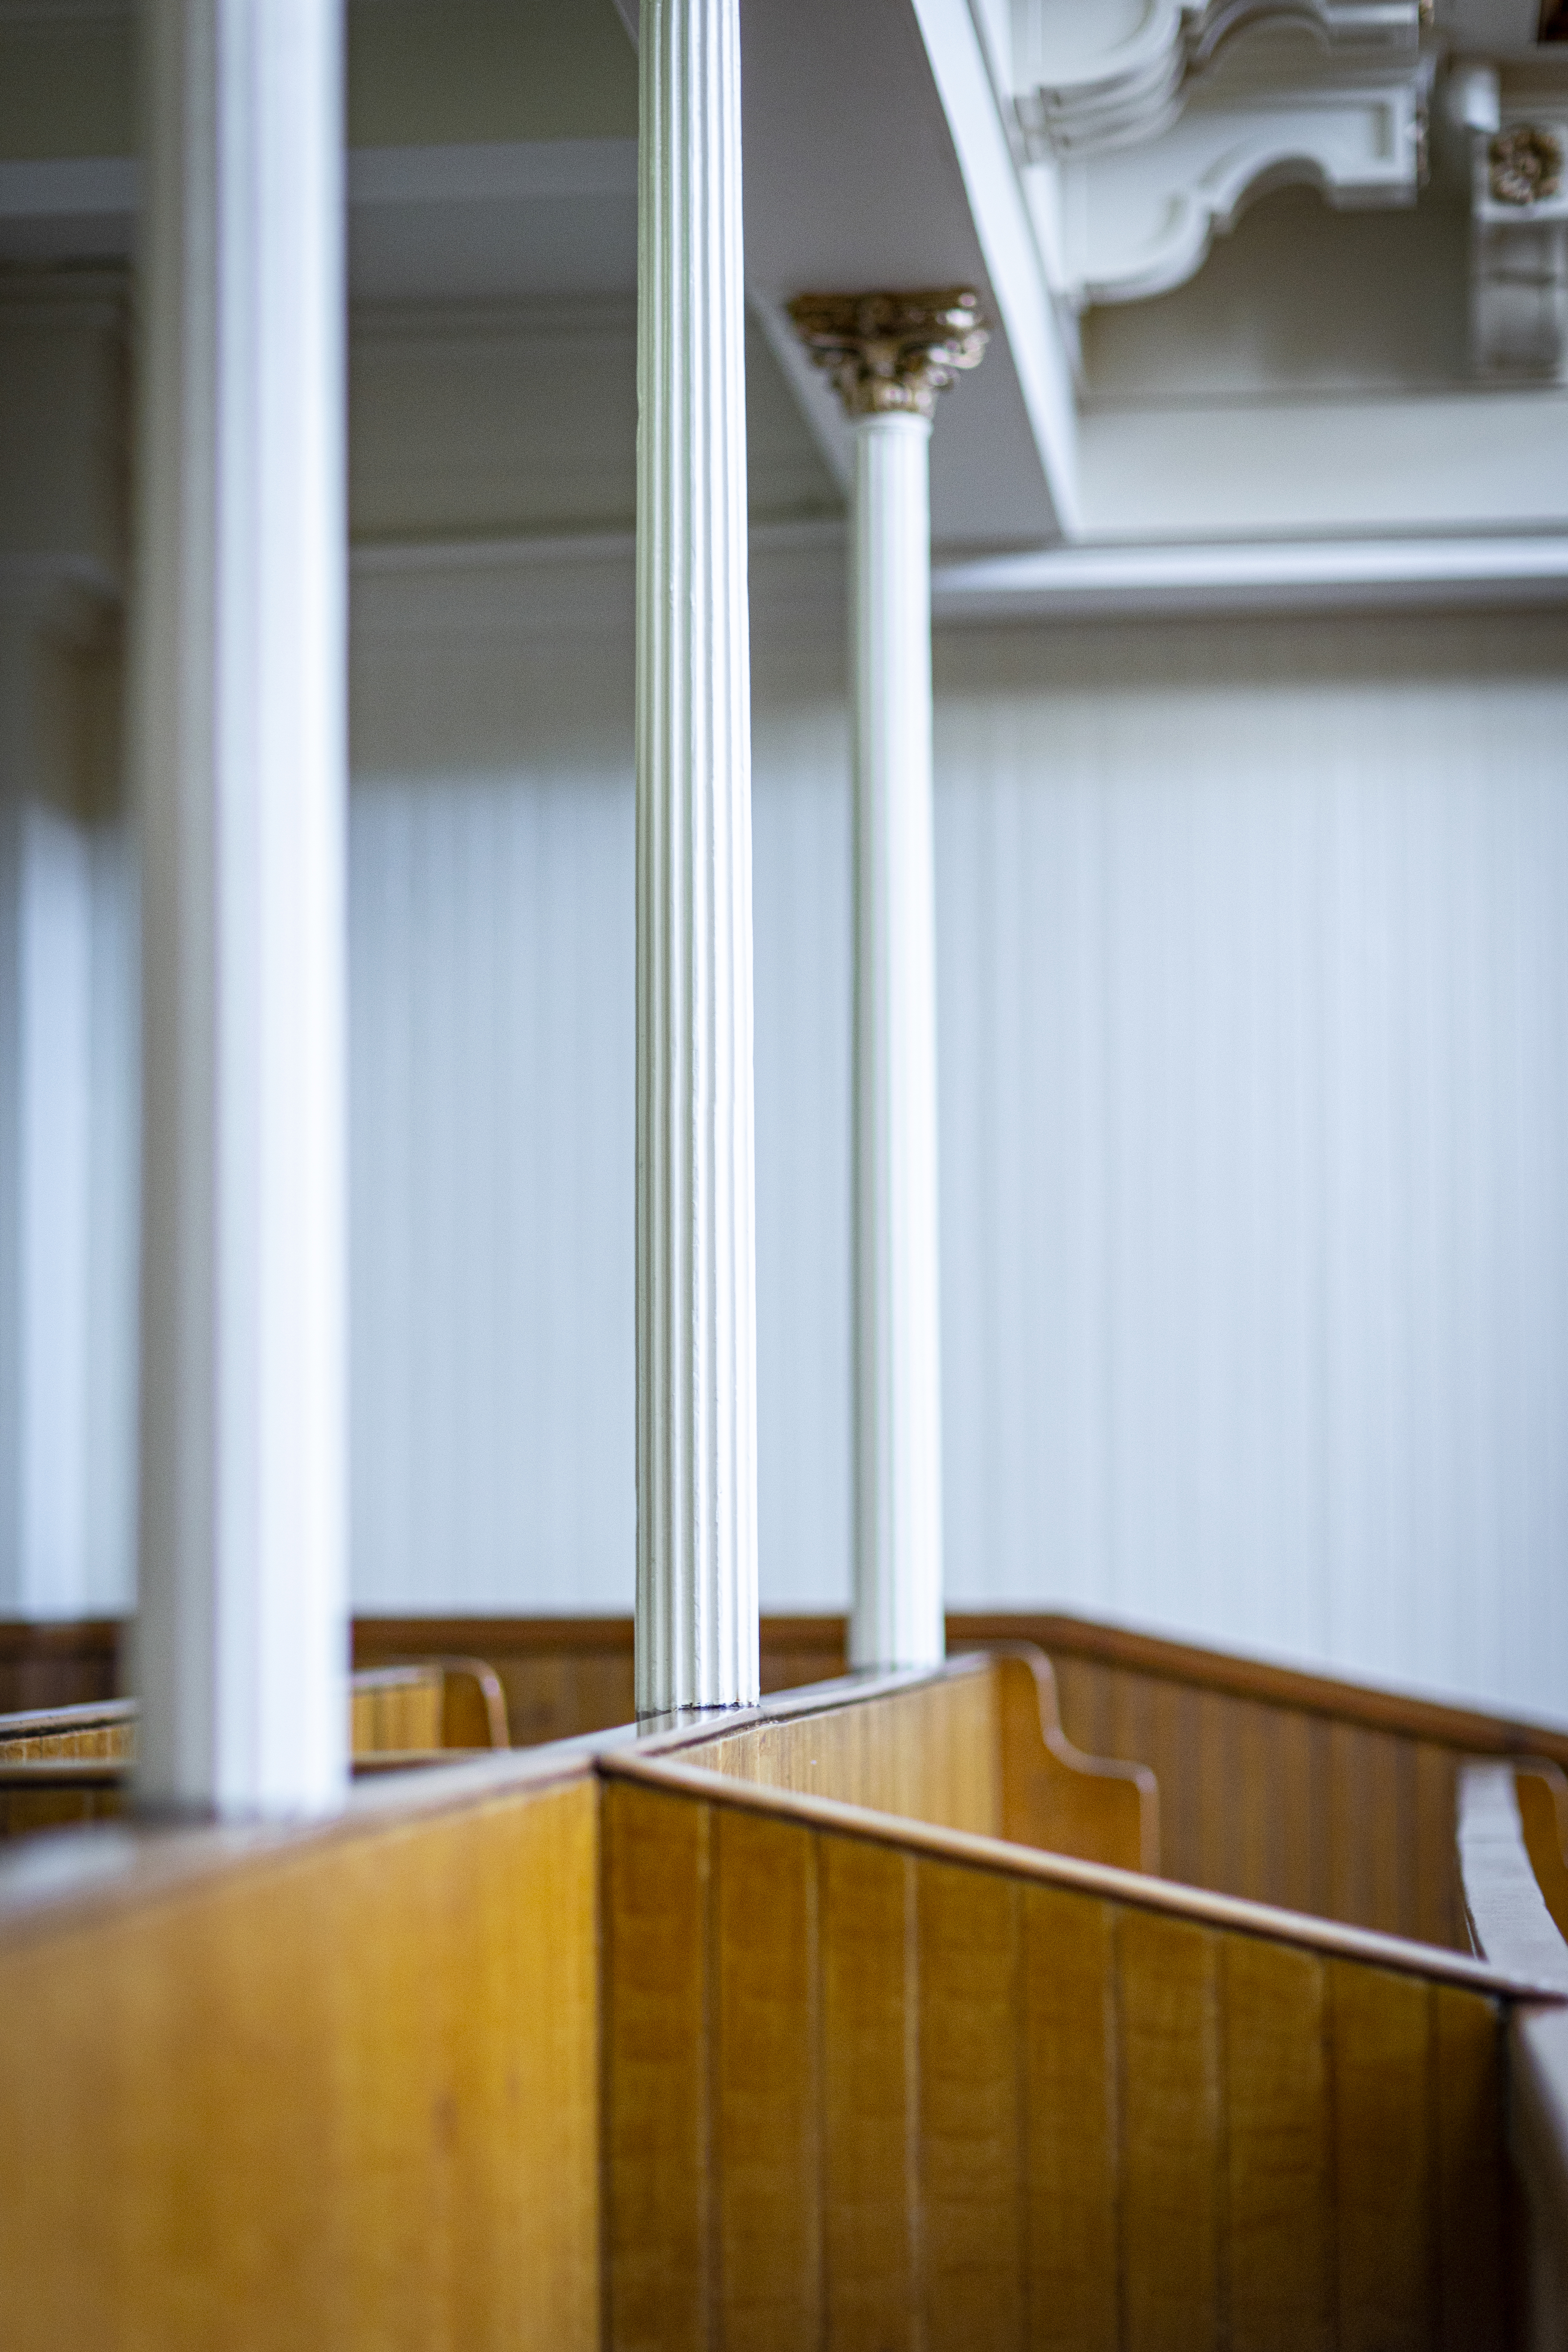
(599,2048)
(976,1746)
(331,2087)
(871,2084)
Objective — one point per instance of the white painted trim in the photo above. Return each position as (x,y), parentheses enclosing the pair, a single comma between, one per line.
(1004,228)
(1283,575)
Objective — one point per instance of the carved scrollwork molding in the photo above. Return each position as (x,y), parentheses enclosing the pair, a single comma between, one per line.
(891,353)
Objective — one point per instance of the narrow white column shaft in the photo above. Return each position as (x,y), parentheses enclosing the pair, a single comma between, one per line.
(696,1447)
(897,1616)
(240,1651)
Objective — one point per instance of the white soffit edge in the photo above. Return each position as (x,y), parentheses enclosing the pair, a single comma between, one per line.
(876,156)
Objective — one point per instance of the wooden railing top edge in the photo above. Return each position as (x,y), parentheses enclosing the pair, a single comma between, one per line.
(1296,1928)
(661,1734)
(54,1882)
(87,1714)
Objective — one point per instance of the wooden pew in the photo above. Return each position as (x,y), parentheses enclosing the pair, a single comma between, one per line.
(1280,1786)
(1516,1892)
(1320,1794)
(65,1765)
(869,2082)
(614,2044)
(979,1747)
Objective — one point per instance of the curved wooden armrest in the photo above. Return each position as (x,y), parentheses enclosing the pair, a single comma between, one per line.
(482,1707)
(1052,1795)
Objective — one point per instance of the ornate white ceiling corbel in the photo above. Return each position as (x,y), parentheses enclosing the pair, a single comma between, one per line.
(1519,243)
(1085,80)
(1132,222)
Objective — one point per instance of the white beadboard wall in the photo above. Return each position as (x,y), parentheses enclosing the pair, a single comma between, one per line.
(1254,1000)
(1255,1067)
(1254,978)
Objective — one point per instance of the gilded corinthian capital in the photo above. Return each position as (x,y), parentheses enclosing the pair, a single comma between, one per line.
(891,353)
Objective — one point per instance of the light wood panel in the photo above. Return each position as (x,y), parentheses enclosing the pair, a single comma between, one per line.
(337,2088)
(868,1995)
(1073,2156)
(930,1750)
(1055,1796)
(657,2026)
(1280,1786)
(1016,2099)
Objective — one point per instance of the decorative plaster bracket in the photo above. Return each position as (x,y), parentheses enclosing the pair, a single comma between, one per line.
(1081,84)
(891,353)
(1132,222)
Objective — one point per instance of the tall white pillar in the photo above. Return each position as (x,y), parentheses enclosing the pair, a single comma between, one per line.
(697,1414)
(890,355)
(241,1640)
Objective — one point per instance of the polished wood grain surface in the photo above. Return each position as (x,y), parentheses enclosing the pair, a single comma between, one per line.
(930,1749)
(1097,2109)
(334,2088)
(1053,1794)
(611,2046)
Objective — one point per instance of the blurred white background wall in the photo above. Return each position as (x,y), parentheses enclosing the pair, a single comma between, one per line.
(1254,986)
(1254,1003)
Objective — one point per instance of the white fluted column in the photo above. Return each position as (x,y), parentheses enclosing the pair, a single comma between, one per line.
(697,1442)
(897,1613)
(891,354)
(240,738)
